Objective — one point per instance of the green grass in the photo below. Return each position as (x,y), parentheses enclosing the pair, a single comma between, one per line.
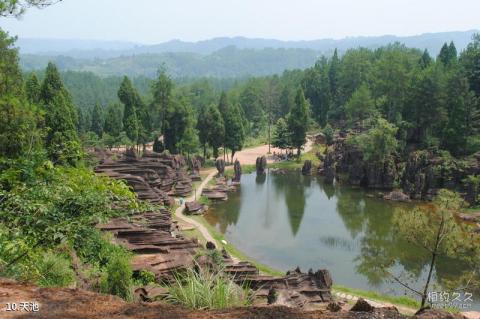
(206,290)
(298,163)
(233,251)
(401,300)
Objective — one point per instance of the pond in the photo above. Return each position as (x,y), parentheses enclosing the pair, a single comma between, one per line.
(285,220)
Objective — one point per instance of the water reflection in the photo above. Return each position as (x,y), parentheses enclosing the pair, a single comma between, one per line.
(289,220)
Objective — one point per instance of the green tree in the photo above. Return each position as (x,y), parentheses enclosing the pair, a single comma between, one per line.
(298,121)
(16,8)
(318,90)
(18,118)
(10,74)
(329,133)
(378,143)
(32,89)
(281,136)
(434,228)
(113,120)
(162,99)
(203,128)
(448,54)
(234,133)
(97,120)
(128,97)
(426,60)
(460,106)
(178,120)
(60,118)
(361,105)
(470,59)
(216,129)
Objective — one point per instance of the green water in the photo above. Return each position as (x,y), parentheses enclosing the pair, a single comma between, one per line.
(285,220)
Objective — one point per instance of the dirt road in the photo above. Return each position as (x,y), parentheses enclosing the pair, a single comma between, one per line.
(249,156)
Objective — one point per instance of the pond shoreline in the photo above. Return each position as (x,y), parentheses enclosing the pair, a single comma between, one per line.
(405,304)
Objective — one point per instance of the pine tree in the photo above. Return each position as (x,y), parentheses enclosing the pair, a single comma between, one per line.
(298,121)
(216,129)
(128,97)
(162,98)
(203,129)
(234,133)
(97,120)
(281,136)
(333,77)
(448,54)
(113,120)
(32,89)
(178,119)
(60,118)
(425,60)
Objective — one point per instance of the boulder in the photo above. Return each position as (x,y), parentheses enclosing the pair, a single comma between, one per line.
(397,196)
(194,207)
(362,306)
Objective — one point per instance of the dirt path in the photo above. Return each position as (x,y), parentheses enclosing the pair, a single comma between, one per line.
(180,215)
(249,156)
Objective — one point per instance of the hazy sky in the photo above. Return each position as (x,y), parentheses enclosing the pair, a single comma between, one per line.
(153,21)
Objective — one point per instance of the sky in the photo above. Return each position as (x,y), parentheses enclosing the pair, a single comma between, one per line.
(155,21)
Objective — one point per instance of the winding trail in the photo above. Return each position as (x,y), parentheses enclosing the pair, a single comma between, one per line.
(180,215)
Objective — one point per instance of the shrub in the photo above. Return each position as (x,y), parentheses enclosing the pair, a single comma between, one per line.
(118,278)
(206,290)
(144,277)
(55,271)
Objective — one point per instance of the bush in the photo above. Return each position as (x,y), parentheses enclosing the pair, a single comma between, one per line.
(206,290)
(118,278)
(329,133)
(55,271)
(144,277)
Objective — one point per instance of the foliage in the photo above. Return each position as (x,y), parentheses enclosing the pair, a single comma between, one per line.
(360,105)
(97,120)
(17,8)
(118,278)
(378,143)
(297,121)
(329,133)
(50,205)
(55,271)
(281,136)
(234,132)
(60,119)
(206,290)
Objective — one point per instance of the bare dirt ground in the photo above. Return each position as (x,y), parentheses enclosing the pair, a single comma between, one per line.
(249,156)
(62,303)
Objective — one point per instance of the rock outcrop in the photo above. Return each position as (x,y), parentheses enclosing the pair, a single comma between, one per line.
(307,167)
(220,165)
(152,237)
(261,164)
(419,175)
(153,177)
(237,169)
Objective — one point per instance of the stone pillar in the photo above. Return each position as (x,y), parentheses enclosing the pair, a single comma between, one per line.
(261,164)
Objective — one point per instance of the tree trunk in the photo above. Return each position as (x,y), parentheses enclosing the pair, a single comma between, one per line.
(432,262)
(204,151)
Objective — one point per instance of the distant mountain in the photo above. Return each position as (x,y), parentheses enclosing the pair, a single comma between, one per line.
(89,49)
(219,57)
(66,46)
(229,62)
